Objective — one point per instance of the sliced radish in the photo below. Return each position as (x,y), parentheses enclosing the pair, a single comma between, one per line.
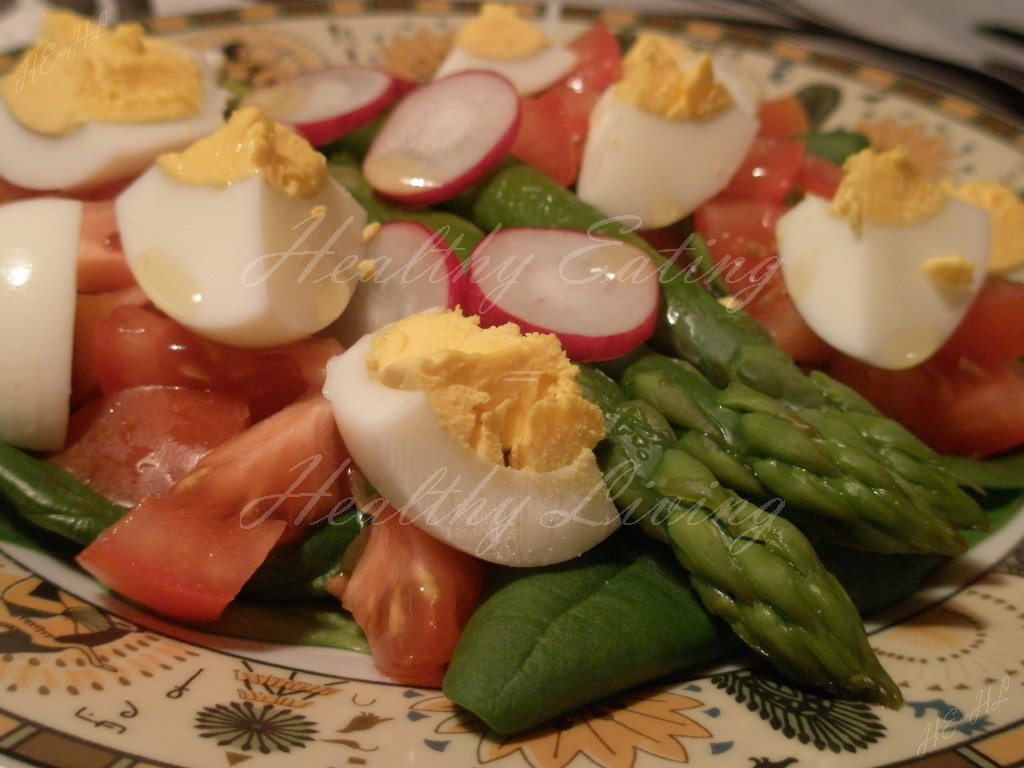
(412,269)
(329,103)
(443,137)
(598,295)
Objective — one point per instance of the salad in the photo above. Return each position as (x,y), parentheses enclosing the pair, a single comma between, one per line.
(682,459)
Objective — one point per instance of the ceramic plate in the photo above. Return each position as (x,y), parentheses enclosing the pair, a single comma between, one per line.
(88,681)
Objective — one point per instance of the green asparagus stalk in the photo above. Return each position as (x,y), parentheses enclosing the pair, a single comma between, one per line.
(761,575)
(808,458)
(728,346)
(748,565)
(461,236)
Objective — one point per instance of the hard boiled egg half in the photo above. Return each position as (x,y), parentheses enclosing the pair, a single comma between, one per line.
(38,261)
(88,105)
(479,436)
(499,40)
(667,136)
(243,237)
(885,271)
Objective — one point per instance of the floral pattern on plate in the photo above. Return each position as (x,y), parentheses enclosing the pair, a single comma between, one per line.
(88,681)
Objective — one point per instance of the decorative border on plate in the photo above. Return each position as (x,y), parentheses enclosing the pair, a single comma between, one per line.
(711,32)
(41,745)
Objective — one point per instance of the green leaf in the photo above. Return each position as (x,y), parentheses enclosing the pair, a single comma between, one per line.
(819,101)
(835,146)
(47,496)
(302,571)
(1002,473)
(553,639)
(317,624)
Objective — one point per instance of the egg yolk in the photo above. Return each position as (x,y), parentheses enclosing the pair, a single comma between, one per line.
(1005,211)
(952,273)
(498,32)
(885,188)
(653,80)
(511,397)
(250,144)
(78,72)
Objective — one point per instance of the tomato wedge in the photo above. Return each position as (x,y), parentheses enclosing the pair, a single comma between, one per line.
(965,410)
(143,440)
(412,596)
(90,309)
(136,346)
(773,308)
(783,118)
(549,137)
(102,265)
(553,125)
(187,554)
(768,172)
(740,234)
(818,176)
(992,331)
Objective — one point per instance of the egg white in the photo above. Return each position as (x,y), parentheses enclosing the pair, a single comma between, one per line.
(38,263)
(638,164)
(100,153)
(529,74)
(867,294)
(244,263)
(503,515)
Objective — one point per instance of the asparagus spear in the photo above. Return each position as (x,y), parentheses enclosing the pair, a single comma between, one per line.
(758,572)
(808,457)
(726,346)
(749,566)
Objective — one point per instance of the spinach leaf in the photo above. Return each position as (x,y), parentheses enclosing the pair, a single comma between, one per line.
(51,498)
(549,640)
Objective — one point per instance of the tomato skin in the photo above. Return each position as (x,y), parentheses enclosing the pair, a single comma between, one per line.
(143,440)
(772,306)
(412,595)
(553,124)
(102,265)
(740,235)
(819,177)
(311,356)
(90,309)
(768,172)
(783,118)
(187,554)
(9,193)
(549,138)
(992,331)
(136,346)
(599,65)
(963,410)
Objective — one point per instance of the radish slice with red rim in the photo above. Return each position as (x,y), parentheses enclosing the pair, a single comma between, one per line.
(328,103)
(598,295)
(409,269)
(443,137)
